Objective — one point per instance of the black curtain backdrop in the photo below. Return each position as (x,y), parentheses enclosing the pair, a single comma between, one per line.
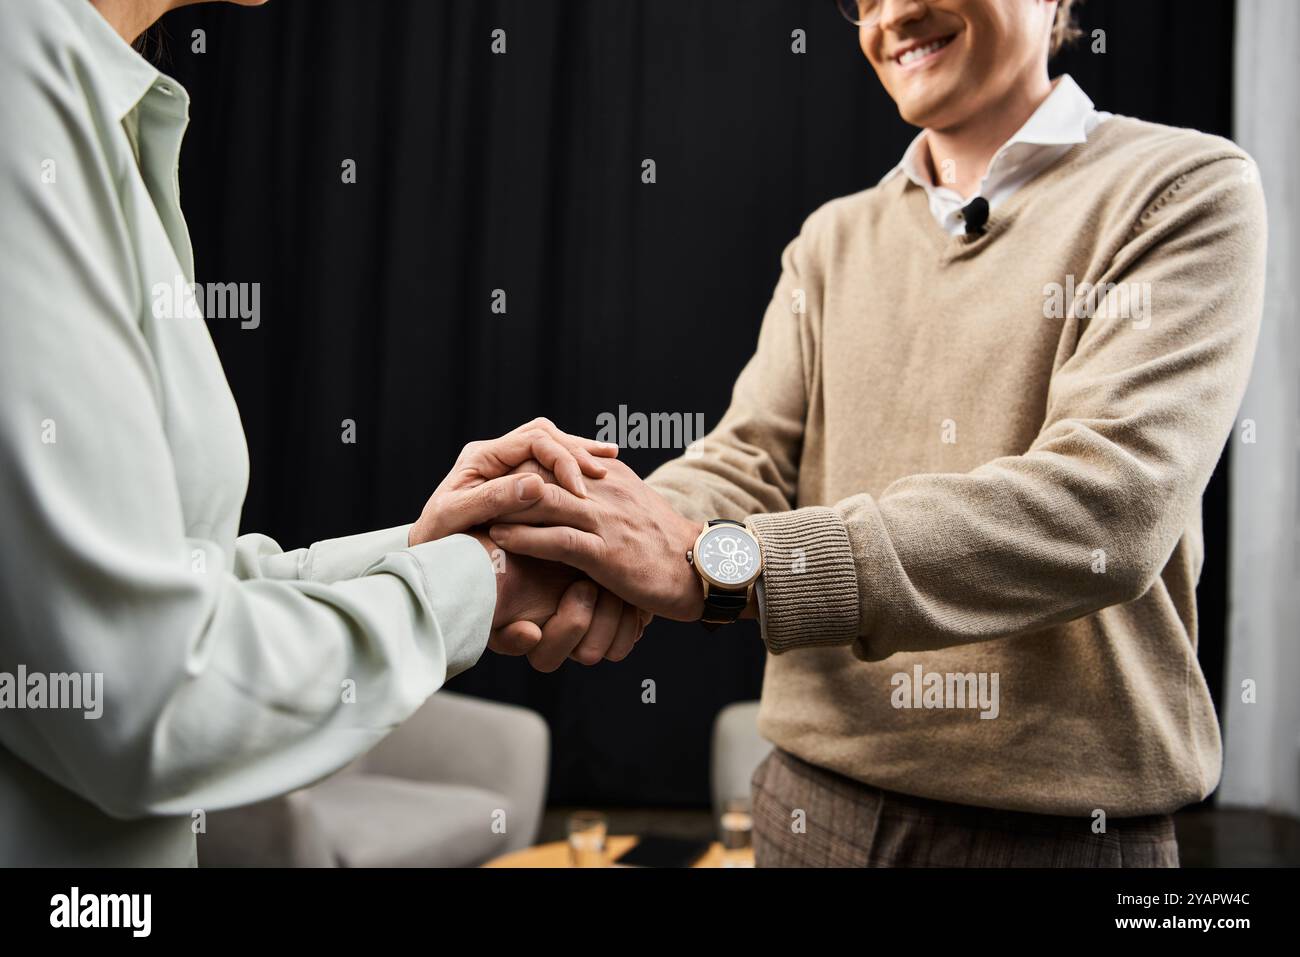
(522,172)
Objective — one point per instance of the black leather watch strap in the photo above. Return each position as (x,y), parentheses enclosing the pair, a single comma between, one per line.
(723,607)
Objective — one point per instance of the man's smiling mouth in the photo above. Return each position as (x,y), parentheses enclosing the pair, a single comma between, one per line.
(914,53)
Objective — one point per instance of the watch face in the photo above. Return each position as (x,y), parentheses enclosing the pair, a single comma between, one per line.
(728,554)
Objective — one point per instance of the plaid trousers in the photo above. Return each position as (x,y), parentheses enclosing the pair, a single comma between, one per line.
(846,823)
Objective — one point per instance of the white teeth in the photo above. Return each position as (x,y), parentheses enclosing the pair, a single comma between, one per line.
(919,52)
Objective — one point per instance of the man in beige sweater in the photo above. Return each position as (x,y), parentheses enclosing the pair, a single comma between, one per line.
(972,443)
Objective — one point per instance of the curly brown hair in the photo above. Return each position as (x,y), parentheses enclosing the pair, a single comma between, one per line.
(1064,30)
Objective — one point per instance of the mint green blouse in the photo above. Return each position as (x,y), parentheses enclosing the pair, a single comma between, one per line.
(232,671)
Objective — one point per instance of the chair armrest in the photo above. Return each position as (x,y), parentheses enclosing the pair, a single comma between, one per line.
(456,739)
(280,832)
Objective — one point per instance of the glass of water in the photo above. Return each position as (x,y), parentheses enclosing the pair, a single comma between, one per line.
(587,832)
(736,832)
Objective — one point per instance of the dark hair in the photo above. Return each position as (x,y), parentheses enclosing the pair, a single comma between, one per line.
(151,45)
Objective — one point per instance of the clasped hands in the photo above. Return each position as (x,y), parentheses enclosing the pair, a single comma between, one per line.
(585,553)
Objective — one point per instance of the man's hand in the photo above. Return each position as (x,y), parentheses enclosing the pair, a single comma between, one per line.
(551,612)
(623,534)
(480,488)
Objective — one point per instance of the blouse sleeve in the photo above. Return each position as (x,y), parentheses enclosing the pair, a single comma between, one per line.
(217,690)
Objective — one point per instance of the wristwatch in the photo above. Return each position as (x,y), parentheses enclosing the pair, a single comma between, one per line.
(729,560)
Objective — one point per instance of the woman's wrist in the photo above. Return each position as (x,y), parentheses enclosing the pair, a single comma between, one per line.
(495,556)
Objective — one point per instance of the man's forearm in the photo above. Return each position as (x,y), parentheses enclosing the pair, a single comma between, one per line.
(701,489)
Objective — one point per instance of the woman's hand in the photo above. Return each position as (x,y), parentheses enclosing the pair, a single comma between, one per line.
(480,488)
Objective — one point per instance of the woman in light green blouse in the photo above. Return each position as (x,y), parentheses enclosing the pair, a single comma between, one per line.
(219,658)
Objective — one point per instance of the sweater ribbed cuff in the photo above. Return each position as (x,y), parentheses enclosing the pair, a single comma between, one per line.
(810,584)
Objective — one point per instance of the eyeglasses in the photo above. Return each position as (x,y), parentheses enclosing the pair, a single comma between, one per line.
(861,13)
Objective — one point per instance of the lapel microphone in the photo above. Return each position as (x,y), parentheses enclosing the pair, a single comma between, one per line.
(976,214)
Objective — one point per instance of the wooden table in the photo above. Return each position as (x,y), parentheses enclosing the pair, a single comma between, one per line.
(556,854)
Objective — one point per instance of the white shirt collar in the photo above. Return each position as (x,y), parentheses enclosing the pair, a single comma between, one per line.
(1060,119)
(1065,118)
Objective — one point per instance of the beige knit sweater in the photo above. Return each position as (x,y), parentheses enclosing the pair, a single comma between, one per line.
(970,475)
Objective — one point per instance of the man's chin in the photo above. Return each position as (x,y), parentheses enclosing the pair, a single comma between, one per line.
(920,115)
(932,111)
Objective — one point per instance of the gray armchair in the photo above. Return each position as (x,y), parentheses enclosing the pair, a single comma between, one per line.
(425,796)
(738,750)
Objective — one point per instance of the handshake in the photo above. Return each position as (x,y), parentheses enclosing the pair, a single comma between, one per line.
(585,553)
